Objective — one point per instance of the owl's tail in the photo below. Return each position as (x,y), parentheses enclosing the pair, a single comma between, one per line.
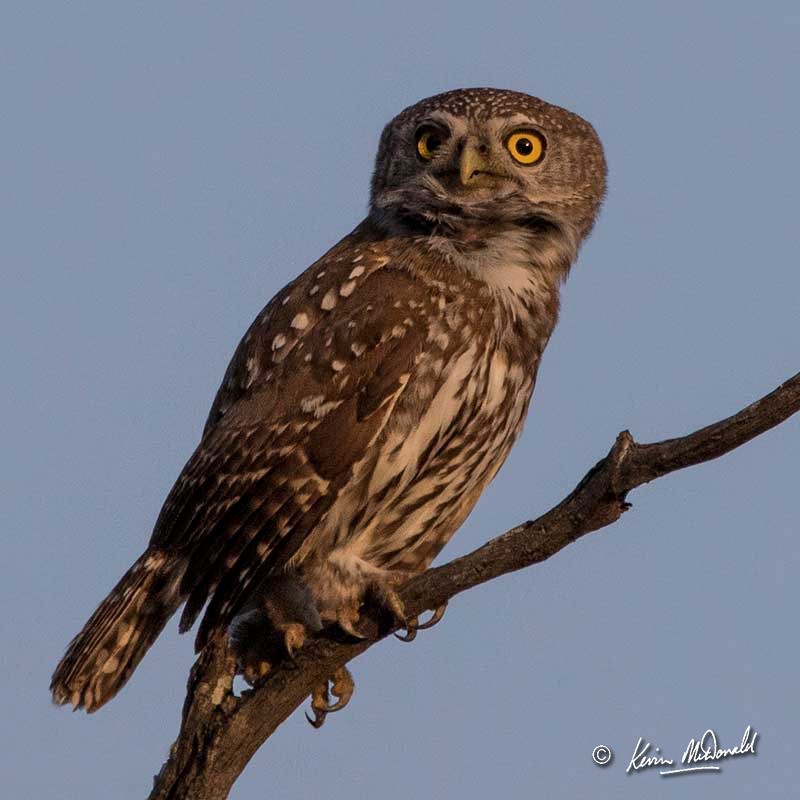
(101,658)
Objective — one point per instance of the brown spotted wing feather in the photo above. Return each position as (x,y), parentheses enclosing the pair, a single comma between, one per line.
(310,388)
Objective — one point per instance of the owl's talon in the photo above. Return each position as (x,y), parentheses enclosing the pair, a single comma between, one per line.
(342,688)
(294,637)
(435,619)
(346,619)
(414,625)
(348,628)
(410,632)
(388,600)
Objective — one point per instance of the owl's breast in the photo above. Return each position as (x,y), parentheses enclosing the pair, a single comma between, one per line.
(425,475)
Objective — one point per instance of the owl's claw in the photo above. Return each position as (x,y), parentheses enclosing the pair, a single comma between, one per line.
(342,688)
(435,619)
(346,620)
(268,647)
(410,632)
(414,625)
(389,601)
(294,637)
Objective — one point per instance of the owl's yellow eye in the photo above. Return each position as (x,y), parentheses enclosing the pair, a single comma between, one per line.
(526,147)
(429,140)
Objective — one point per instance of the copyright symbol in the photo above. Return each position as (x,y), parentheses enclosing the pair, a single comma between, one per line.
(602,755)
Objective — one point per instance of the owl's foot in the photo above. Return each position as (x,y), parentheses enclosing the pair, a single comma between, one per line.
(383,594)
(254,671)
(342,687)
(413,625)
(256,663)
(376,590)
(347,618)
(278,619)
(270,645)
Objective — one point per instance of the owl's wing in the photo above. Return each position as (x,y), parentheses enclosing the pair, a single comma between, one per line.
(269,468)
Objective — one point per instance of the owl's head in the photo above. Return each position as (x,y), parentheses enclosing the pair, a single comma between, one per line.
(488,156)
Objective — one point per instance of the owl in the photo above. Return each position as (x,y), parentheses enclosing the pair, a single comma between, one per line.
(371,401)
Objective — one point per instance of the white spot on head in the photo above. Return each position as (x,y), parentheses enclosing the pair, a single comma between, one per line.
(329,301)
(278,342)
(314,289)
(286,299)
(347,288)
(337,365)
(357,259)
(356,271)
(300,321)
(358,348)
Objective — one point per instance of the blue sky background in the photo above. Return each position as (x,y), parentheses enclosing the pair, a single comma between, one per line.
(166,167)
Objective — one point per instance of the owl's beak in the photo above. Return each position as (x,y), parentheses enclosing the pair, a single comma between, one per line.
(474,168)
(472,165)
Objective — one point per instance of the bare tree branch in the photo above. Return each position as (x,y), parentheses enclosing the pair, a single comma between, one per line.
(220,732)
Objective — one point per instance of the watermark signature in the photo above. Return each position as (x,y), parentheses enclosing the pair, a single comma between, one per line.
(700,755)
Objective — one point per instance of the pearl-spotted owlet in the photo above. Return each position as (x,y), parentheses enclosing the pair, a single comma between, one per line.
(372,400)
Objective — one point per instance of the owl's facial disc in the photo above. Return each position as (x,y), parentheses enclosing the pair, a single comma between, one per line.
(487,159)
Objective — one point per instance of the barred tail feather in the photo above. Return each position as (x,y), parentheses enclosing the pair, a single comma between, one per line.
(101,658)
